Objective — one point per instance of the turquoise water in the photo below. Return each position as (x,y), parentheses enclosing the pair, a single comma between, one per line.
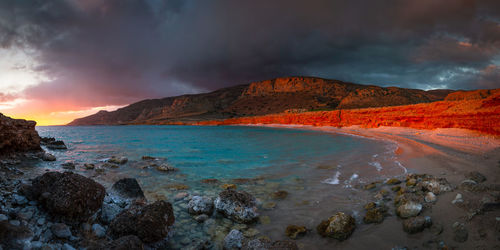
(322,172)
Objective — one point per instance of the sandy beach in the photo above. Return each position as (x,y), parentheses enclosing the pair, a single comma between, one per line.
(443,153)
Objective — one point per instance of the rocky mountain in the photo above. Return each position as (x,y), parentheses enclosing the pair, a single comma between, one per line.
(287,94)
(17,136)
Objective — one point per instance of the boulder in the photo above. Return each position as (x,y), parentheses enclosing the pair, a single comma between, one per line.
(238,206)
(409,209)
(151,223)
(18,136)
(128,188)
(233,240)
(201,205)
(416,224)
(340,226)
(69,195)
(129,242)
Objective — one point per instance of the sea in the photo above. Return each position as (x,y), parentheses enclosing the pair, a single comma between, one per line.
(322,172)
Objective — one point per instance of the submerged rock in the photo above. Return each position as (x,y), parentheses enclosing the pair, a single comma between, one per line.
(409,209)
(279,195)
(166,168)
(233,240)
(416,224)
(128,188)
(374,214)
(51,143)
(292,231)
(69,195)
(393,181)
(118,160)
(340,226)
(238,206)
(150,223)
(201,205)
(68,165)
(228,186)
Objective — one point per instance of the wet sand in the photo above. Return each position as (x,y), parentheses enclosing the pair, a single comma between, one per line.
(446,153)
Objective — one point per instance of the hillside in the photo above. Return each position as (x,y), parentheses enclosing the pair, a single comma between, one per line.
(477,110)
(288,94)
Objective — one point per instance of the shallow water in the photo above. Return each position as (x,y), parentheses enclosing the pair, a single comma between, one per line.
(322,172)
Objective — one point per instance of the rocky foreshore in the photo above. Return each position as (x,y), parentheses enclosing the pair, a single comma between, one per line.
(65,210)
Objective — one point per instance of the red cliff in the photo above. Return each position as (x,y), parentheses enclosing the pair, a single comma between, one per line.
(475,110)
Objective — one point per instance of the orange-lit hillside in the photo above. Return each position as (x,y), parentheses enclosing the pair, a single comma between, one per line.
(475,110)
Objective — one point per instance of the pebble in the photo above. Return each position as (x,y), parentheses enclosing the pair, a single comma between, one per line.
(61,230)
(201,218)
(19,199)
(430,197)
(25,215)
(67,246)
(458,199)
(15,222)
(98,231)
(40,221)
(3,217)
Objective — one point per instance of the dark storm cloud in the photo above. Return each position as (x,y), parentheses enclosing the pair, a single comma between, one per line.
(101,52)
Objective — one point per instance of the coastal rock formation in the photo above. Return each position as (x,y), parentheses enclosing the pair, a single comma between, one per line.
(238,206)
(151,223)
(68,195)
(52,143)
(340,226)
(17,136)
(287,94)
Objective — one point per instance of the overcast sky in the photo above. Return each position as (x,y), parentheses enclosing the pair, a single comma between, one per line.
(69,55)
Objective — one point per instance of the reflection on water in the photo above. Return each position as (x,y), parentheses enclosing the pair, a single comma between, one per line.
(322,172)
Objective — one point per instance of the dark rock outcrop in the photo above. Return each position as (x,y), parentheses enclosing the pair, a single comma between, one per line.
(151,223)
(52,143)
(69,195)
(17,136)
(238,206)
